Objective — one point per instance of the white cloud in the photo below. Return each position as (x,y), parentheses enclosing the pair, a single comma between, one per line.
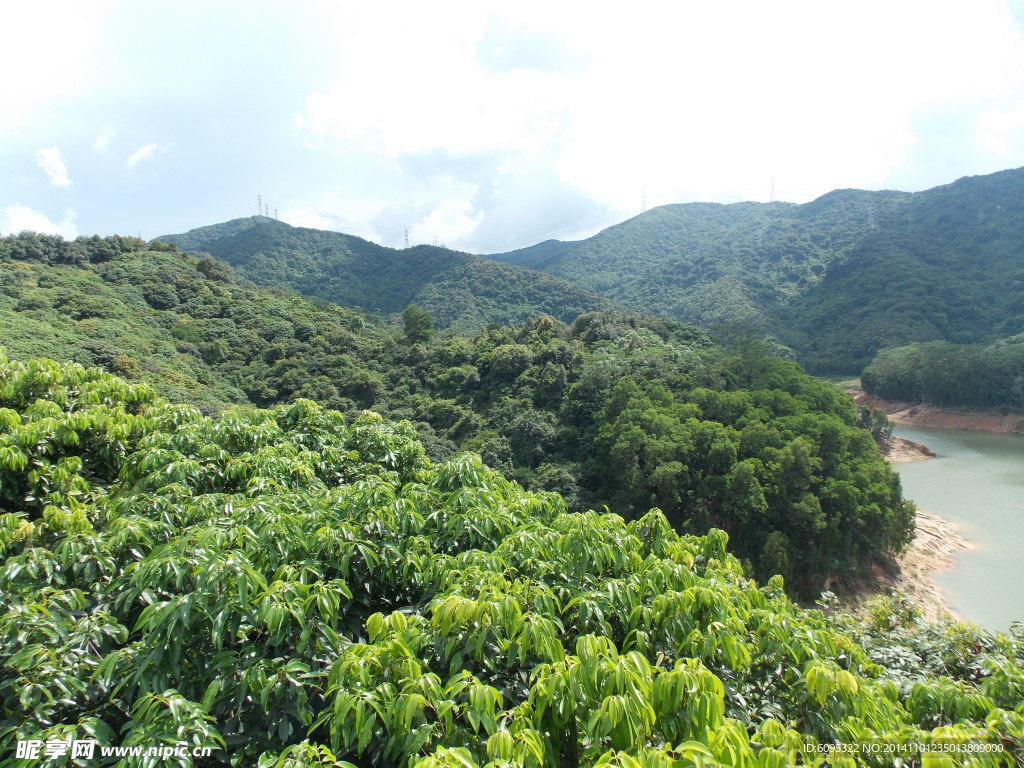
(685,101)
(20,218)
(702,100)
(102,141)
(52,163)
(140,154)
(447,224)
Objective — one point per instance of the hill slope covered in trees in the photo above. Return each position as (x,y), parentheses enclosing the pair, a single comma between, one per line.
(462,292)
(613,409)
(945,374)
(835,279)
(286,589)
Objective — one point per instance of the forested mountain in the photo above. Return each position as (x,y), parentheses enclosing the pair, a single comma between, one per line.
(616,409)
(706,263)
(948,265)
(180,323)
(285,589)
(461,291)
(535,256)
(835,279)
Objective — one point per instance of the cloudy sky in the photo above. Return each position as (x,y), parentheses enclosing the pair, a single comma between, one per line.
(488,126)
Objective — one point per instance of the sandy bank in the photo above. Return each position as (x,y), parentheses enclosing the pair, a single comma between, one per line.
(934,548)
(916,415)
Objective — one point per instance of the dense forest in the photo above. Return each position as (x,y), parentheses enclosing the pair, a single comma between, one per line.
(706,263)
(290,588)
(462,292)
(612,409)
(835,279)
(945,374)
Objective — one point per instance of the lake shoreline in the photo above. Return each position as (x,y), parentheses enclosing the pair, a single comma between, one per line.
(936,543)
(918,415)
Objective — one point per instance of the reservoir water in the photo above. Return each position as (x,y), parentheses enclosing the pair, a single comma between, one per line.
(977,481)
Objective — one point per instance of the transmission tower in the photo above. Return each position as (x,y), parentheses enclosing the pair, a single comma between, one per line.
(259,205)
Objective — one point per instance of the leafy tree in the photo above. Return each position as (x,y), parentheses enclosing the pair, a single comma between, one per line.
(419,325)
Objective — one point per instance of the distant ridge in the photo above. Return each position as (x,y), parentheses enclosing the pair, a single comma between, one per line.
(535,256)
(462,291)
(836,279)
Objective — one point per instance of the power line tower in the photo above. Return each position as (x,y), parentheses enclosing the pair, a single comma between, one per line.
(773,189)
(259,205)
(406,237)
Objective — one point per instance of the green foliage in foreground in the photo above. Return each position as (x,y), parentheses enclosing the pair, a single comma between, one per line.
(293,590)
(944,374)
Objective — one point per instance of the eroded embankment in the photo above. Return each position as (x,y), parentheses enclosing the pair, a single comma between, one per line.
(917,415)
(934,548)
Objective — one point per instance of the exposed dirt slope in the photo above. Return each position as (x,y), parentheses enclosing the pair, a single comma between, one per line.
(917,415)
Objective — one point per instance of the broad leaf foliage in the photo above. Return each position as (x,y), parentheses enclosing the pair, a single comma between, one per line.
(295,590)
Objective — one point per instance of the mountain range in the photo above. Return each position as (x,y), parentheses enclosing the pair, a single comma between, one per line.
(835,279)
(462,292)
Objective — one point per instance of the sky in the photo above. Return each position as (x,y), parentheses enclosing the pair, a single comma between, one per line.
(488,126)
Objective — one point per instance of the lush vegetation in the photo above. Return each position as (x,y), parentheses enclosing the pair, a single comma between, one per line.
(294,589)
(947,266)
(181,324)
(945,374)
(462,292)
(707,264)
(622,410)
(836,279)
(635,413)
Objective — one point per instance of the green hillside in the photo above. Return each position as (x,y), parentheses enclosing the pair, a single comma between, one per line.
(618,409)
(948,265)
(706,263)
(535,256)
(944,374)
(179,323)
(835,279)
(285,589)
(461,291)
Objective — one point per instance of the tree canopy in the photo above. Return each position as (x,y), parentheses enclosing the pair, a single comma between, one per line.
(945,374)
(614,408)
(290,588)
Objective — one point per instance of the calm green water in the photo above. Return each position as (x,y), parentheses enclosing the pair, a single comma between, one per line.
(977,481)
